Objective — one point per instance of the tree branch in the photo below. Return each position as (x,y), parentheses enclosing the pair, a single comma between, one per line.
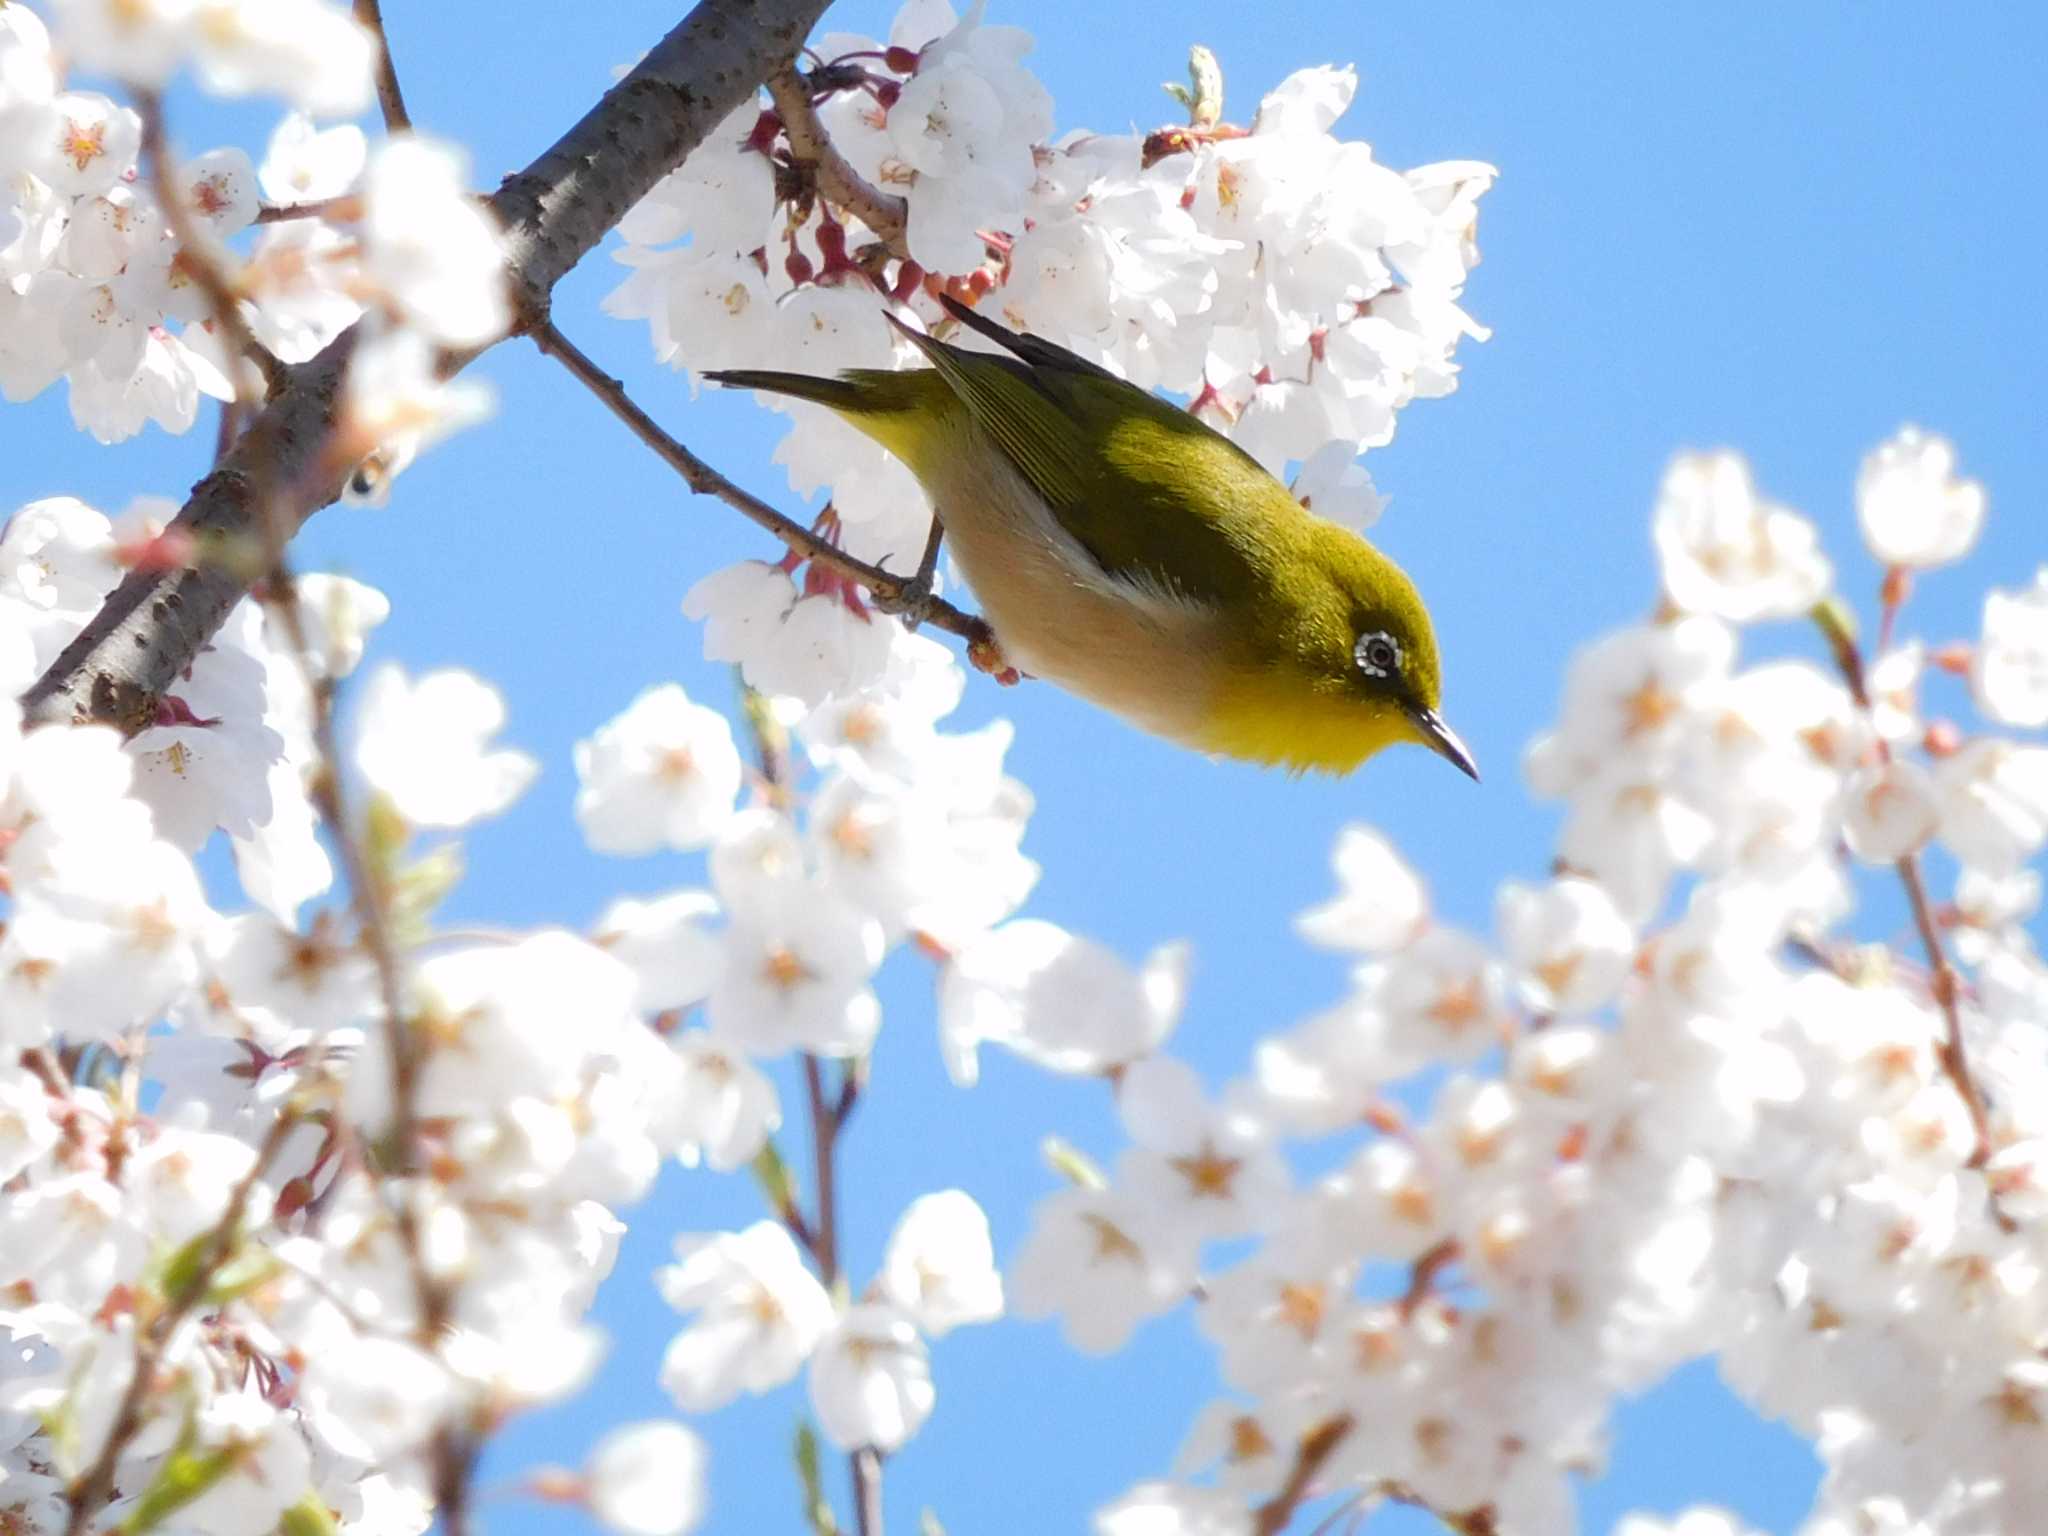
(553,212)
(887,215)
(370,16)
(893,593)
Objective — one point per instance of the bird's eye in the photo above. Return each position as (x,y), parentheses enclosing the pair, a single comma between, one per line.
(1378,654)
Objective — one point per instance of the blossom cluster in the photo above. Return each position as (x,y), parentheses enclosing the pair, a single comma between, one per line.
(1296,291)
(1688,1111)
(303,1192)
(98,287)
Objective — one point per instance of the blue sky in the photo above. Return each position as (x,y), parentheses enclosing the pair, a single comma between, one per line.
(1782,229)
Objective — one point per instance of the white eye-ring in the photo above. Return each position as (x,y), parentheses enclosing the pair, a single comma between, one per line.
(1378,654)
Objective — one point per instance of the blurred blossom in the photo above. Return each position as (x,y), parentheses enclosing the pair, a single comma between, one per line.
(1913,510)
(758,1315)
(424,746)
(647,1479)
(940,1266)
(870,1380)
(663,774)
(2010,669)
(1727,553)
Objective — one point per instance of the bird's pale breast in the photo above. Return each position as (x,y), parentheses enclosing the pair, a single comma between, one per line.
(1148,655)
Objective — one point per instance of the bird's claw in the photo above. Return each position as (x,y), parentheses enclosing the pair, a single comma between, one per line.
(911,601)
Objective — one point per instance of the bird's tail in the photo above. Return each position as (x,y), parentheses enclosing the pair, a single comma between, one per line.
(856,392)
(839,394)
(900,409)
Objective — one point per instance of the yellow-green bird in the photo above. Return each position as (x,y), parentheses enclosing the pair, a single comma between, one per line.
(1124,550)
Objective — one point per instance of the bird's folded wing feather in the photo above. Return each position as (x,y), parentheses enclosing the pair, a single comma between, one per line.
(1155,497)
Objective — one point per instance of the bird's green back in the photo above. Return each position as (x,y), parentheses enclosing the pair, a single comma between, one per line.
(1154,496)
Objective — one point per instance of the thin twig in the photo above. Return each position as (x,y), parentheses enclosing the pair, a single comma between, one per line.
(853,1078)
(1943,982)
(867,1491)
(453,1457)
(883,212)
(341,210)
(890,590)
(819,1235)
(370,16)
(1316,1448)
(1947,988)
(195,258)
(824,1140)
(92,1488)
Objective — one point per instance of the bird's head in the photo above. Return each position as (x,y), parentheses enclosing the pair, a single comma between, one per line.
(1347,665)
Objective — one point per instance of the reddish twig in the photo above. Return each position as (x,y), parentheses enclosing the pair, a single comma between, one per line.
(1316,1448)
(1422,1277)
(1943,981)
(883,212)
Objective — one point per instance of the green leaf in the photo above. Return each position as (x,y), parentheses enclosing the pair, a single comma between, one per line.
(182,1478)
(817,1508)
(1072,1164)
(309,1517)
(420,887)
(185,1267)
(772,1174)
(385,835)
(245,1272)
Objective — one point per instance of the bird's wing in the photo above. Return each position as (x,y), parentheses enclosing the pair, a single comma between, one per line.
(1154,497)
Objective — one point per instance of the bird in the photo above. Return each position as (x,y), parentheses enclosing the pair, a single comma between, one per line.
(1122,548)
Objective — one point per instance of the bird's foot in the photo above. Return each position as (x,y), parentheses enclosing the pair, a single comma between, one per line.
(911,601)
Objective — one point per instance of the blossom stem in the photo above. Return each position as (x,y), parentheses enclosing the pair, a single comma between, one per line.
(1947,989)
(369,15)
(889,590)
(883,212)
(1422,1276)
(1316,1448)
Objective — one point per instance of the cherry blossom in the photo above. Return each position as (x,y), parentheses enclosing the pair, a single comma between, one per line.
(647,1479)
(759,1314)
(1913,509)
(870,1381)
(2010,668)
(940,1266)
(322,1185)
(664,773)
(424,746)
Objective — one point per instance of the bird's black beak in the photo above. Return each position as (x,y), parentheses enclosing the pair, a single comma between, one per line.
(1442,740)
